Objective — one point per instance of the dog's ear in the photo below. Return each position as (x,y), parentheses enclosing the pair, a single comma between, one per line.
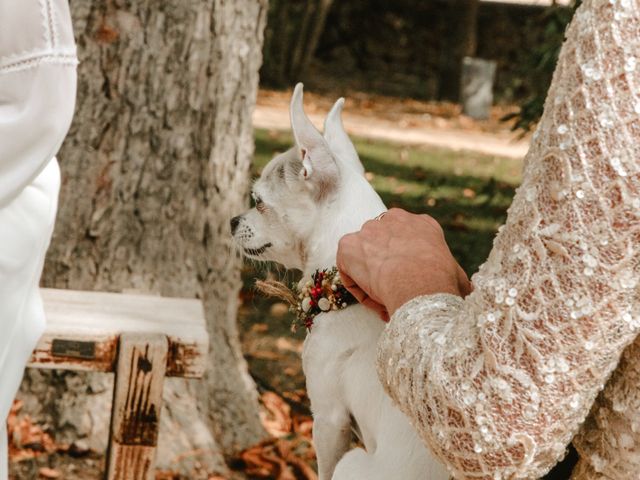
(318,164)
(338,140)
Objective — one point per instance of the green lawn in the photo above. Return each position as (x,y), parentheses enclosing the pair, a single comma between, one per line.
(468,193)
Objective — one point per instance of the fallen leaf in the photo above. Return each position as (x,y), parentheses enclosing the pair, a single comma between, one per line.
(27,439)
(259,327)
(303,426)
(277,459)
(279,309)
(277,418)
(48,472)
(265,355)
(284,343)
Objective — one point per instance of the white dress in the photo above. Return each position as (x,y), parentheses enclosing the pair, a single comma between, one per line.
(37,96)
(499,383)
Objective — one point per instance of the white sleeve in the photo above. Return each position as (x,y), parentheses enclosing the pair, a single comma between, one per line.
(37,88)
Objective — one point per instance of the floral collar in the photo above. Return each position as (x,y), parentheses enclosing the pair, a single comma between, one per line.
(324,292)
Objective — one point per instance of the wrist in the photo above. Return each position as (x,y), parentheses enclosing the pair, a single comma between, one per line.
(412,285)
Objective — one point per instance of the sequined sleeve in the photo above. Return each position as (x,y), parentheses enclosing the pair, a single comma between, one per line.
(499,383)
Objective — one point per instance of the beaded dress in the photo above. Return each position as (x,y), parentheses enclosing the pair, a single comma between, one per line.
(499,383)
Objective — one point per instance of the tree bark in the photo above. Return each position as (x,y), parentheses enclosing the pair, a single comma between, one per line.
(301,40)
(464,43)
(155,164)
(314,36)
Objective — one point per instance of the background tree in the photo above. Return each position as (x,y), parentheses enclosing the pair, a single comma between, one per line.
(540,64)
(155,164)
(463,43)
(291,43)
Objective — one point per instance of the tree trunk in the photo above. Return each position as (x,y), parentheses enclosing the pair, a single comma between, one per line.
(314,36)
(301,40)
(155,164)
(464,43)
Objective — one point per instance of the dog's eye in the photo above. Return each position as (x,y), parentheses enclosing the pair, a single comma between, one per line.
(260,206)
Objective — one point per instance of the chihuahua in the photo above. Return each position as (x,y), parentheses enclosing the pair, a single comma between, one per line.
(306,199)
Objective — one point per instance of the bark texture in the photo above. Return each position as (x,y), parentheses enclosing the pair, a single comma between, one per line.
(155,164)
(292,40)
(464,43)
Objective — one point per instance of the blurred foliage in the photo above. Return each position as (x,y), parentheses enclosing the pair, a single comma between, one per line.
(540,64)
(411,48)
(294,28)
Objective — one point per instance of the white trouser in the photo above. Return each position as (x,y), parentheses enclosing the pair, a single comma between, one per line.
(37,97)
(26,225)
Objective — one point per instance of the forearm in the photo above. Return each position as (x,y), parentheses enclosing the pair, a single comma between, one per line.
(37,88)
(499,383)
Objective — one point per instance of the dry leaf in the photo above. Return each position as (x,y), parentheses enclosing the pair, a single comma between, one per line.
(287,345)
(48,472)
(27,439)
(279,309)
(275,459)
(259,327)
(265,355)
(468,193)
(277,419)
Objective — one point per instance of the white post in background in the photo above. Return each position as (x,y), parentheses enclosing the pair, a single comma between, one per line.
(477,80)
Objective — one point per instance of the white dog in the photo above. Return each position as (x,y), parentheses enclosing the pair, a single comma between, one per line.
(305,200)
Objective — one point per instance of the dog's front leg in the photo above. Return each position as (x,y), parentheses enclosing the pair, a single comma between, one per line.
(331,437)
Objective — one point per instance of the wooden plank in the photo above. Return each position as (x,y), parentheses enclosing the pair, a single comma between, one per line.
(95,320)
(104,348)
(137,401)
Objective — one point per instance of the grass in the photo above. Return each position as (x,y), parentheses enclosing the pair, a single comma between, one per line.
(468,193)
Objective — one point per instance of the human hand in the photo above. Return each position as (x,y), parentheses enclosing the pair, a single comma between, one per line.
(397,257)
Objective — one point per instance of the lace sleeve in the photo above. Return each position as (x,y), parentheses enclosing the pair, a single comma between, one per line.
(498,384)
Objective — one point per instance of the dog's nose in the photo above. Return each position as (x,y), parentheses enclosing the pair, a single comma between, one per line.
(235,221)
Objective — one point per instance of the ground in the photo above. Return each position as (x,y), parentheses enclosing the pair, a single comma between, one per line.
(406,121)
(467,191)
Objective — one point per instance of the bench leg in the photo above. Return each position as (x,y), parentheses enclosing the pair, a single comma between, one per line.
(137,400)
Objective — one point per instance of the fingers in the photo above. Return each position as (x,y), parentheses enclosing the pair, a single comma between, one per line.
(464,284)
(363,298)
(376,307)
(346,247)
(352,287)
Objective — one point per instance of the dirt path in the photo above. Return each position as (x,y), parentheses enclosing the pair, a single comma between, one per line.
(402,121)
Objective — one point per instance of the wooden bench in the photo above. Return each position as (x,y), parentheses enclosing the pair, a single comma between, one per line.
(141,339)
